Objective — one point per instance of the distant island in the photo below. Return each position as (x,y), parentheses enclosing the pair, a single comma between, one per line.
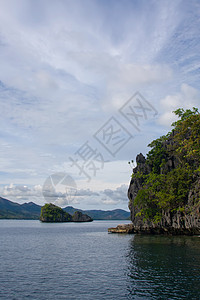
(31,211)
(164,192)
(55,214)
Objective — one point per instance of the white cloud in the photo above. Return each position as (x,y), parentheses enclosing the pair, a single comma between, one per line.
(22,193)
(187,98)
(64,197)
(118,195)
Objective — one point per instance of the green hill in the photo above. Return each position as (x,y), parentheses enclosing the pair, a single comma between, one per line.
(116,214)
(12,210)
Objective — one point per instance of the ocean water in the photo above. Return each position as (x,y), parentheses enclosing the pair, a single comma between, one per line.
(82,261)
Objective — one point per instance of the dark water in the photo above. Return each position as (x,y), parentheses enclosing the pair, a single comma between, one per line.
(83,261)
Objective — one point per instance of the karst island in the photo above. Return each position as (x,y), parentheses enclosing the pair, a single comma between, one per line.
(164,191)
(54,214)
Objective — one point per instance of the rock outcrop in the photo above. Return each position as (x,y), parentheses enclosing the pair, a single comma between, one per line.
(172,221)
(164,192)
(55,214)
(80,217)
(122,228)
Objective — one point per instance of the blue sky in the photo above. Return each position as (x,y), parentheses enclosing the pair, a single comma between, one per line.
(67,67)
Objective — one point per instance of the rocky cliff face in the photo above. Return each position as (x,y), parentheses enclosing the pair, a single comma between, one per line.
(164,192)
(185,221)
(80,217)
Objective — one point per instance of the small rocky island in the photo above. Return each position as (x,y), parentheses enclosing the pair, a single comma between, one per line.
(164,192)
(55,214)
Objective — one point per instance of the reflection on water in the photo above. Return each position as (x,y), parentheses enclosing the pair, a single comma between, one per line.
(163,267)
(81,261)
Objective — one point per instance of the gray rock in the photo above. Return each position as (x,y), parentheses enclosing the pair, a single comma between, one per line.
(80,217)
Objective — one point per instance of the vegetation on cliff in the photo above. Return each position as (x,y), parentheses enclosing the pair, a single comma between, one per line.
(53,213)
(171,171)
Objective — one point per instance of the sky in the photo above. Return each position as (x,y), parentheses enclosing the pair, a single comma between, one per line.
(85,86)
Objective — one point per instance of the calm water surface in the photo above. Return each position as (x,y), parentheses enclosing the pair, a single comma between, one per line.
(82,261)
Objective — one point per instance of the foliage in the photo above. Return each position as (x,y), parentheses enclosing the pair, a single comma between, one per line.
(167,186)
(53,213)
(157,154)
(184,115)
(188,137)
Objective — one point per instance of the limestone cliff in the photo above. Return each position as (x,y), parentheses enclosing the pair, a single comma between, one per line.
(164,192)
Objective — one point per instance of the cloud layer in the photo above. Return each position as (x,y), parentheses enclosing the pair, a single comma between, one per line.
(68,66)
(104,199)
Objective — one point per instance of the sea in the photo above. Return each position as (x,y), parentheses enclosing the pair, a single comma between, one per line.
(84,261)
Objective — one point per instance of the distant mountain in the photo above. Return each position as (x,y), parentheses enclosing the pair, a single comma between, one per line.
(31,211)
(12,210)
(116,214)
